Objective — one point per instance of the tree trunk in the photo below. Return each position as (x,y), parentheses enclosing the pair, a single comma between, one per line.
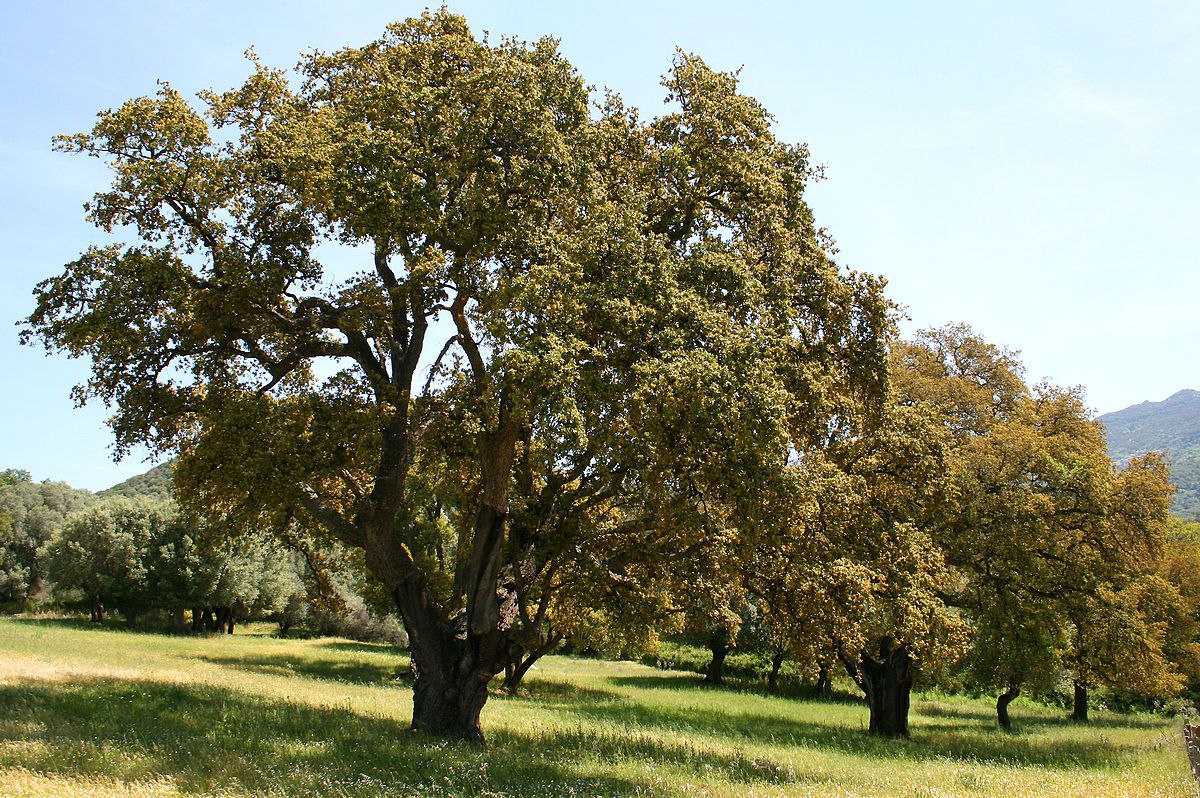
(448,693)
(455,657)
(178,621)
(517,667)
(206,619)
(514,672)
(776,664)
(887,680)
(1079,711)
(718,644)
(197,624)
(1002,702)
(824,681)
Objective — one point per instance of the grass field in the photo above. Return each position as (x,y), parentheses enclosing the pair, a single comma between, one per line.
(94,712)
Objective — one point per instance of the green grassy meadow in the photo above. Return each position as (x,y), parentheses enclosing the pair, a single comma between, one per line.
(99,712)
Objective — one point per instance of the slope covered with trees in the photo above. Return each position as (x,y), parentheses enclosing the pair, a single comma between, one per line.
(155,483)
(1172,427)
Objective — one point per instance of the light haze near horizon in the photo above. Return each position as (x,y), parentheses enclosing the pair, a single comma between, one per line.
(1028,168)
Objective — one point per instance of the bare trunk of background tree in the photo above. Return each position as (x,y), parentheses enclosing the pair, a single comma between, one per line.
(824,681)
(1002,702)
(887,680)
(718,644)
(776,664)
(1079,710)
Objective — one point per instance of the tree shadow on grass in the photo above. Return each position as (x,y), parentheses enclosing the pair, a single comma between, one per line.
(147,625)
(965,740)
(212,740)
(331,670)
(364,648)
(684,681)
(985,715)
(111,624)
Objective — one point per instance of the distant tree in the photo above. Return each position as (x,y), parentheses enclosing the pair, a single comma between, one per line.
(12,476)
(35,511)
(853,574)
(104,552)
(224,576)
(1041,534)
(1180,569)
(671,266)
(1120,628)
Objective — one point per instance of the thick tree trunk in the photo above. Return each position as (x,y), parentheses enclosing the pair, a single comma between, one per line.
(1079,711)
(824,681)
(197,621)
(718,644)
(206,619)
(452,663)
(776,664)
(178,620)
(454,657)
(887,680)
(1002,702)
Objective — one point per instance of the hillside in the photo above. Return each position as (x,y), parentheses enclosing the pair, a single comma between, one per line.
(1171,426)
(156,483)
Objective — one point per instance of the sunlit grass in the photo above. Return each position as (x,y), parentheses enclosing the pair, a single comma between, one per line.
(109,713)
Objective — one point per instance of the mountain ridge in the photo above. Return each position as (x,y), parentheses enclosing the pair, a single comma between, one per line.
(1170,426)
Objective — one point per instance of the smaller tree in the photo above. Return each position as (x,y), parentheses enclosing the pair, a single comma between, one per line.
(104,552)
(13,476)
(36,511)
(1119,628)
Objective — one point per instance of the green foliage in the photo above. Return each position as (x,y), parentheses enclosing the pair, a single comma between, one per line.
(35,511)
(642,309)
(137,555)
(156,483)
(104,552)
(11,476)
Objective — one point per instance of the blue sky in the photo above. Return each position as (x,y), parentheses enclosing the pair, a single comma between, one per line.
(1030,168)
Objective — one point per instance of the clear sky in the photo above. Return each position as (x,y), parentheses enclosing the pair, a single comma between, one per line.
(1027,167)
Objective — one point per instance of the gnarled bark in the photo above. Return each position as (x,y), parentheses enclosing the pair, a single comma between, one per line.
(454,659)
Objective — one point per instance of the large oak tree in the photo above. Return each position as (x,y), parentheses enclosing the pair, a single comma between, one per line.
(531,265)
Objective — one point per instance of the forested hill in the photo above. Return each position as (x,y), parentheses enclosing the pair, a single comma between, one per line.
(155,482)
(1171,426)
